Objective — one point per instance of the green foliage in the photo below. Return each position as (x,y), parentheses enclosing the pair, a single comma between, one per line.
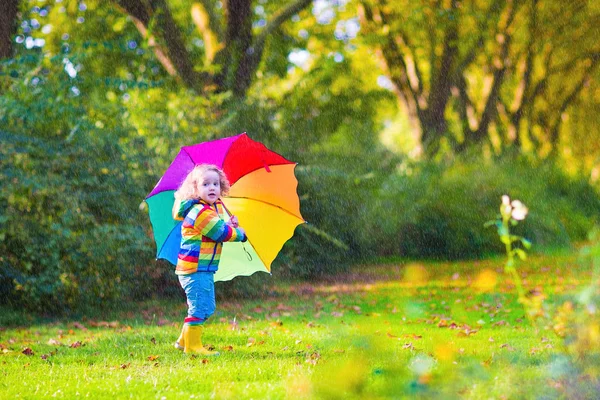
(72,234)
(439,211)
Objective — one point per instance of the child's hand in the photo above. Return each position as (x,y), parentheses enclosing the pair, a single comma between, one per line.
(233,221)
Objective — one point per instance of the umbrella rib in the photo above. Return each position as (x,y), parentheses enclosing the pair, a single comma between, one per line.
(267,203)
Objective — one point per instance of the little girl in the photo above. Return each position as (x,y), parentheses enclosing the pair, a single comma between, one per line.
(198,204)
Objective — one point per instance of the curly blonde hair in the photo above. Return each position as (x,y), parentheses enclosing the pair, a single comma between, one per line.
(189,188)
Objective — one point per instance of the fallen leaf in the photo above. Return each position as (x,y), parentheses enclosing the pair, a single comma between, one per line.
(507,347)
(79,326)
(153,340)
(204,361)
(251,342)
(152,358)
(123,366)
(27,351)
(76,344)
(228,348)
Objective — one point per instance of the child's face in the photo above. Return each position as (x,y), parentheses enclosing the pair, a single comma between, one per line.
(210,187)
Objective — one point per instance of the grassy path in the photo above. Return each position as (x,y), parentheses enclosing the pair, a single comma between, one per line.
(448,330)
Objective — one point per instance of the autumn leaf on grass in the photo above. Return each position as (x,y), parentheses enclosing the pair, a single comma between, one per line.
(251,342)
(152,358)
(79,326)
(76,344)
(54,342)
(413,336)
(313,358)
(123,366)
(507,347)
(228,348)
(153,340)
(27,351)
(391,336)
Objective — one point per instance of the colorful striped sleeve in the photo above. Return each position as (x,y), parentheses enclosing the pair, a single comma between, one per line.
(211,225)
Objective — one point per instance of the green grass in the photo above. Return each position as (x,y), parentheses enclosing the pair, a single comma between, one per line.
(435,330)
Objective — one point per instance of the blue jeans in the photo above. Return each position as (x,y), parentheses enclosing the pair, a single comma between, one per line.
(200,292)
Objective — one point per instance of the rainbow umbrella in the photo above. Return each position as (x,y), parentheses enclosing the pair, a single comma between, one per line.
(263,196)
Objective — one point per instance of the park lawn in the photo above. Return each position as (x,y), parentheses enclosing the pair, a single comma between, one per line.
(402,330)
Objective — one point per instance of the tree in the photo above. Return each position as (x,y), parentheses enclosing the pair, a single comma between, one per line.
(232,51)
(504,71)
(8,26)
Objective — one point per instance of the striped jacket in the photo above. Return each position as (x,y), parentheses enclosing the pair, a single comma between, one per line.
(203,232)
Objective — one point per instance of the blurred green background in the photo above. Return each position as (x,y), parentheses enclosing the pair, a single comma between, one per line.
(409,120)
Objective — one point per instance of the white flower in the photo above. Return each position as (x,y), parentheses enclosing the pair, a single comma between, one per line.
(519,211)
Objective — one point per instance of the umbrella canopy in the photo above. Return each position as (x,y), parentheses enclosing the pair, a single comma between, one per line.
(263,196)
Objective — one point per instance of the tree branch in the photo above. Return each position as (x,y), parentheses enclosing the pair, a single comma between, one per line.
(207,23)
(169,48)
(505,39)
(253,54)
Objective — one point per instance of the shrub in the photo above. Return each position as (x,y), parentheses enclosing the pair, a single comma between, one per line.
(72,234)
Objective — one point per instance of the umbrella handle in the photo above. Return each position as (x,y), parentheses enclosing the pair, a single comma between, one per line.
(246,251)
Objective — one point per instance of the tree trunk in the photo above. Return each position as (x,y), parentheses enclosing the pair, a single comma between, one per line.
(8,26)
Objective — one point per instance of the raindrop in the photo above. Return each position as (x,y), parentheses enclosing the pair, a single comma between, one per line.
(43,13)
(35,81)
(82,7)
(131,44)
(35,24)
(75,91)
(259,10)
(39,42)
(198,42)
(126,97)
(29,42)
(26,29)
(47,29)
(303,33)
(65,36)
(80,20)
(35,10)
(20,39)
(24,24)
(338,58)
(261,22)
